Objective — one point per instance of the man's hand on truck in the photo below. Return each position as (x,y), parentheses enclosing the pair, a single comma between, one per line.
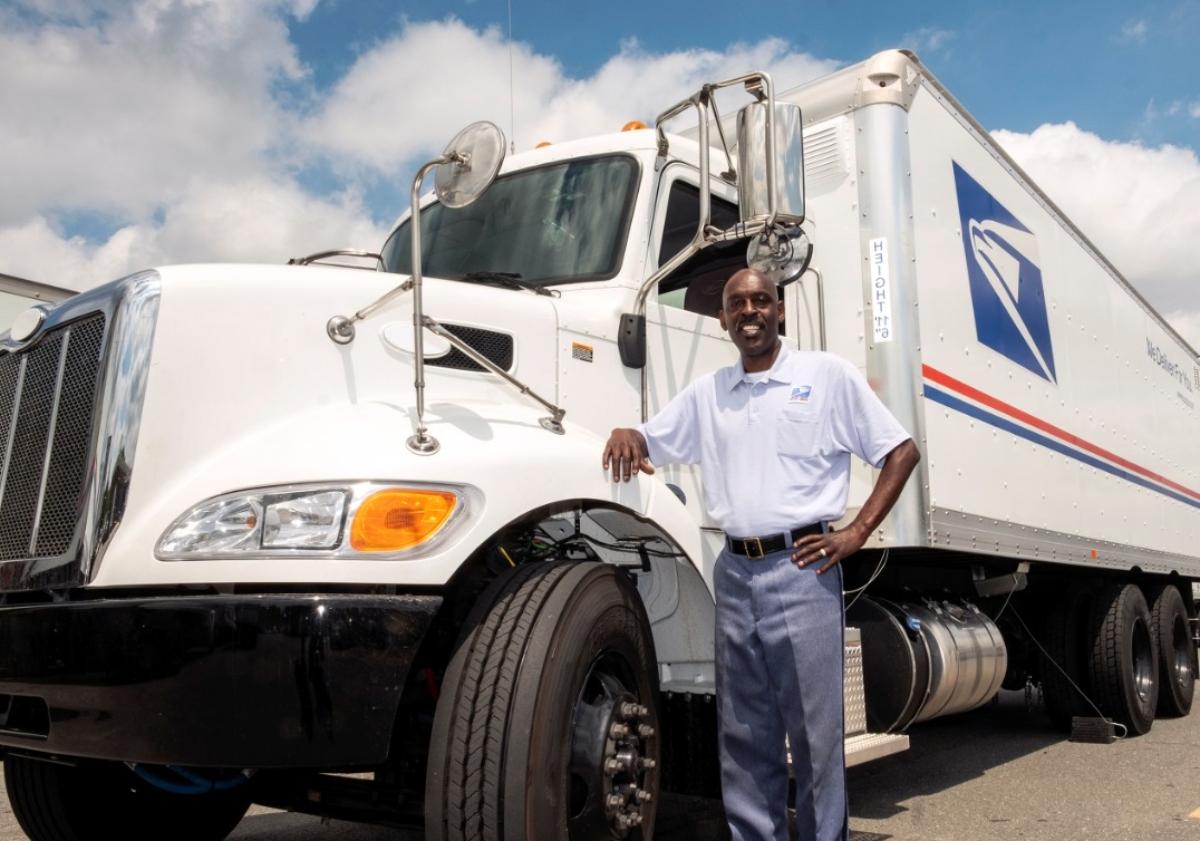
(626,451)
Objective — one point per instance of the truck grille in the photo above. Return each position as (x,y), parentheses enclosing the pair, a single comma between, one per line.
(46,401)
(496,347)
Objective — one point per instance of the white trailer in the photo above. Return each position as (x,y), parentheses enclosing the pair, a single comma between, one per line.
(262,540)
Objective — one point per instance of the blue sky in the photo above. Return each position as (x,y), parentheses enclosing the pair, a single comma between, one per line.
(143,132)
(1112,68)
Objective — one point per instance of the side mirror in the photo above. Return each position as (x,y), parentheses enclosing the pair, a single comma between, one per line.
(761,163)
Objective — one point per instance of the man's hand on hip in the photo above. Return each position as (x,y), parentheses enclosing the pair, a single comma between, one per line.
(827,549)
(833,547)
(627,452)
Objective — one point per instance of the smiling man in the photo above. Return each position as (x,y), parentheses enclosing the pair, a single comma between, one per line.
(773,434)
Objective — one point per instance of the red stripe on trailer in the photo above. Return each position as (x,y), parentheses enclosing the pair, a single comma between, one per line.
(946,381)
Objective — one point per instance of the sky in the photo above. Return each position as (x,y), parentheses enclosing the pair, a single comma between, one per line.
(148,132)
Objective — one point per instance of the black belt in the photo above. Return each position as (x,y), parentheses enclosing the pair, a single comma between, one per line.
(758,547)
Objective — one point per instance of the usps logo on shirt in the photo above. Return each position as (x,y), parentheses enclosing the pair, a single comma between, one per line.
(800,394)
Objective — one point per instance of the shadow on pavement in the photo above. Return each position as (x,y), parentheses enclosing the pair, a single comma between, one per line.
(946,752)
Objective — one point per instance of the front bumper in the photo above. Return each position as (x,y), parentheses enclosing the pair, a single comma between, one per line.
(296,681)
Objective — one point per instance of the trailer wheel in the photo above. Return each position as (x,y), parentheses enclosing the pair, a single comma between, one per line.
(1066,650)
(101,801)
(1124,657)
(546,723)
(1176,652)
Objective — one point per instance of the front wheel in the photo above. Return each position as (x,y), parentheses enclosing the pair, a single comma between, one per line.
(98,801)
(546,723)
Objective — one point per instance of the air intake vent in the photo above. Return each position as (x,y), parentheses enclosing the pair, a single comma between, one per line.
(46,401)
(826,157)
(496,347)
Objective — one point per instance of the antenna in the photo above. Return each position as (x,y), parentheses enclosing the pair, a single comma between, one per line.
(512,119)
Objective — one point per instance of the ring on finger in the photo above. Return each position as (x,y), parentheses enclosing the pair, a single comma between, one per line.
(823,553)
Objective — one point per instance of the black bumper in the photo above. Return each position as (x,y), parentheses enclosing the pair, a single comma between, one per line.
(296,681)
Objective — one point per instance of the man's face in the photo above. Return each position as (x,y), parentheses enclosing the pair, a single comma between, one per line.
(751,312)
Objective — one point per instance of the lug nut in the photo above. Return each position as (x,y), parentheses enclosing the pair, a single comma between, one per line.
(635,819)
(618,731)
(614,802)
(647,764)
(623,761)
(645,731)
(628,710)
(643,796)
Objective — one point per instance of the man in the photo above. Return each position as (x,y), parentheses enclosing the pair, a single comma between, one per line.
(773,435)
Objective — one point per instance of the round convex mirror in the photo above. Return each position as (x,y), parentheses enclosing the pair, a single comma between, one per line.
(476,153)
(782,254)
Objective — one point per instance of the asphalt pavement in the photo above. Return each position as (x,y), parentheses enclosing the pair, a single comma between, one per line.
(998,773)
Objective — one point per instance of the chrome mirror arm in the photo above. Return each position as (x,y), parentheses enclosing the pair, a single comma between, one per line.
(552,423)
(421,442)
(340,329)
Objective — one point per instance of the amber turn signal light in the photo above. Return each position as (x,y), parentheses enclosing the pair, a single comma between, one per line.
(400,518)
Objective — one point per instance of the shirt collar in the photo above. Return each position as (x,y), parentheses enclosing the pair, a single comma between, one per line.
(737,374)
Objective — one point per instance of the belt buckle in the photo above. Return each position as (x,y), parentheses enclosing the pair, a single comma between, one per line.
(757,542)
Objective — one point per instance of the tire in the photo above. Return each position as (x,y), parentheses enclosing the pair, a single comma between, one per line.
(1066,630)
(555,656)
(1124,657)
(104,800)
(1176,651)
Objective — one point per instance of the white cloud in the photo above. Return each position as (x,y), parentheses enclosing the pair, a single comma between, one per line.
(119,109)
(927,39)
(1194,110)
(253,220)
(1133,32)
(189,124)
(380,116)
(1139,205)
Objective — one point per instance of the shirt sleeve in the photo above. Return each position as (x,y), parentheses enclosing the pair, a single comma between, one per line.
(861,423)
(673,435)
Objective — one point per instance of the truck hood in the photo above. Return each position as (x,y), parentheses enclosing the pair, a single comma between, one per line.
(243,381)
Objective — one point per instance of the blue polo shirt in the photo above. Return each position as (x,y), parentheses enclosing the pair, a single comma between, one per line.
(774,447)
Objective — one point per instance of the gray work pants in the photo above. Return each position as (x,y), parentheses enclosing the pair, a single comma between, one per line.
(779,650)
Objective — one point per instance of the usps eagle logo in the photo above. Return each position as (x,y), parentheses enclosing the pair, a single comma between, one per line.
(800,394)
(1005,277)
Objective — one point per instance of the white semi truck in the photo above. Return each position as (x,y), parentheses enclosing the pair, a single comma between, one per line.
(262,539)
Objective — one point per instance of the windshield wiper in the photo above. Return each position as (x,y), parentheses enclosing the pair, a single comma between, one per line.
(510,280)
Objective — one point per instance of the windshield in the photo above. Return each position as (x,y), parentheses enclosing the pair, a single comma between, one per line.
(553,224)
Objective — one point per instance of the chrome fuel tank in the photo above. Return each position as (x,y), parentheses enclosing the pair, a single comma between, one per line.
(925,658)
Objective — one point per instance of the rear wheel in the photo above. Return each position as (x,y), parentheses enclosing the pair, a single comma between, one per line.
(105,800)
(1176,652)
(546,723)
(1064,664)
(1124,657)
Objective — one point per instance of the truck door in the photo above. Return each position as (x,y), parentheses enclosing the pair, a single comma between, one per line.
(684,338)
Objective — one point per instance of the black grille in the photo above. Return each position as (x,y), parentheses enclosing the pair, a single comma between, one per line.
(496,347)
(46,401)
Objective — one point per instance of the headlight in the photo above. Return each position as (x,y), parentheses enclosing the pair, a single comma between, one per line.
(364,520)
